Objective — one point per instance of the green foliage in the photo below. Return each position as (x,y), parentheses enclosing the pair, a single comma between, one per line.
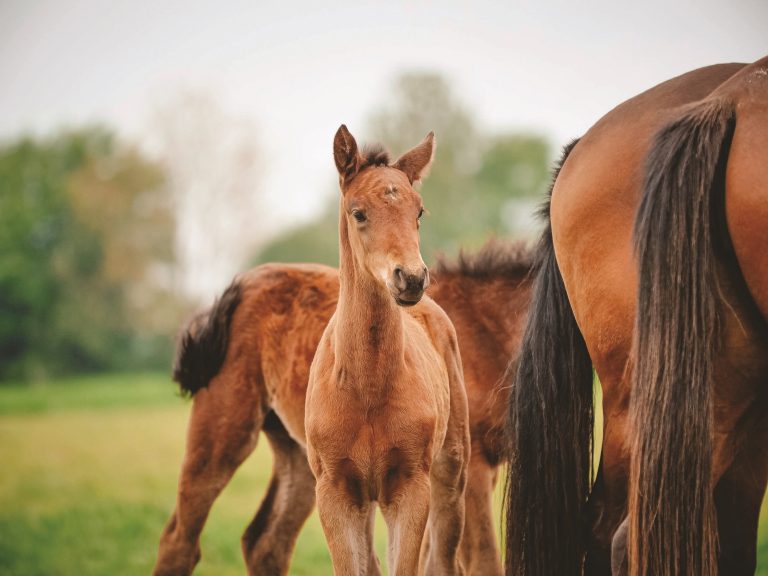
(317,241)
(475,186)
(81,224)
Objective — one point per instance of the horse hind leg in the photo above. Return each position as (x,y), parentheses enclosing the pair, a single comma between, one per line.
(269,540)
(738,496)
(446,511)
(223,430)
(619,552)
(479,549)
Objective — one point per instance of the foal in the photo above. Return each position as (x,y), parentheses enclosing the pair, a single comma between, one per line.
(386,411)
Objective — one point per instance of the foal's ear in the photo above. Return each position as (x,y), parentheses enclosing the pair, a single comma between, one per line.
(345,153)
(416,162)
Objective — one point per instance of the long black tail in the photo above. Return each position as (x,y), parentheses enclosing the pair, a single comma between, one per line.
(550,426)
(203,344)
(673,526)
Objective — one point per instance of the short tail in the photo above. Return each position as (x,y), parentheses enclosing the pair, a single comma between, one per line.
(550,426)
(673,527)
(203,344)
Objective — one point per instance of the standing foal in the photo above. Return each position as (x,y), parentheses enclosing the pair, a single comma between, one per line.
(386,411)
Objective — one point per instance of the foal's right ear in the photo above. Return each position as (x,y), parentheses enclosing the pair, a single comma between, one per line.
(416,162)
(345,153)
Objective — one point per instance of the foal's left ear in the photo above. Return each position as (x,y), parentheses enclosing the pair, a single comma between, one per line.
(416,162)
(345,153)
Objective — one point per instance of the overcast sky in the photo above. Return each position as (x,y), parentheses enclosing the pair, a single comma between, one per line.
(298,70)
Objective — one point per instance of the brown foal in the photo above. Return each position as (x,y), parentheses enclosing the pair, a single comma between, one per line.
(386,412)
(246,362)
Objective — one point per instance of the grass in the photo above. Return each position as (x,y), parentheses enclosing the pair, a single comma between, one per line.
(89,478)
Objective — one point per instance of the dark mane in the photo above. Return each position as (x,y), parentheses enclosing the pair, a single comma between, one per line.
(495,258)
(374,155)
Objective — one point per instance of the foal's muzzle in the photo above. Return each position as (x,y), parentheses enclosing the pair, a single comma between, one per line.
(408,285)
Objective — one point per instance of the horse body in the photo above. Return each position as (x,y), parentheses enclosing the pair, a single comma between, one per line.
(378,429)
(386,411)
(260,380)
(668,192)
(246,361)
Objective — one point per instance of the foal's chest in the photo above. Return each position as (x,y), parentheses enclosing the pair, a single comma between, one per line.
(378,458)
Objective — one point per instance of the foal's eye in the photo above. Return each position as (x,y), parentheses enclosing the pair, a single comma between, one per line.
(421,213)
(358,215)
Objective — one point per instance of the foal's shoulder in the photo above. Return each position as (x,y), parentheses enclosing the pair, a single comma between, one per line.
(435,321)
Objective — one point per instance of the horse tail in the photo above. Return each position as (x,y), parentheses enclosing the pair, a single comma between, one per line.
(203,344)
(550,427)
(673,525)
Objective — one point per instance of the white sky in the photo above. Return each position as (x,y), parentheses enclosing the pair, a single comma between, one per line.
(298,70)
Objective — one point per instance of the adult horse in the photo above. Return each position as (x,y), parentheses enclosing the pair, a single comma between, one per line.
(246,363)
(653,270)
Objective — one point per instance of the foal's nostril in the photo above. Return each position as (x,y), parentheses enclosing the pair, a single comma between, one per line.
(401,282)
(415,282)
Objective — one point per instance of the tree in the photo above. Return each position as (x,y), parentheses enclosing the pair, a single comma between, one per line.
(316,241)
(84,230)
(212,162)
(479,184)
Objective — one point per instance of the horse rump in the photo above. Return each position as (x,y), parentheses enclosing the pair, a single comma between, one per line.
(202,345)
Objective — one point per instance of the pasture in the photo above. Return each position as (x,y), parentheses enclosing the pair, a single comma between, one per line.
(89,469)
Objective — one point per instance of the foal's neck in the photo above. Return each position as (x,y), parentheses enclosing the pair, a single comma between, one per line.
(369,328)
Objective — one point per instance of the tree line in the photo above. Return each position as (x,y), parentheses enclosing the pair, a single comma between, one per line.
(93,256)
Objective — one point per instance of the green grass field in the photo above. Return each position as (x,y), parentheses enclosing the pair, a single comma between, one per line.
(89,469)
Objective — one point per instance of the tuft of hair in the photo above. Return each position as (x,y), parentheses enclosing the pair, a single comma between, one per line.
(374,155)
(495,258)
(543,212)
(202,346)
(549,424)
(673,523)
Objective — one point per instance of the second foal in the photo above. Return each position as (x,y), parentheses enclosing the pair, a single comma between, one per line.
(386,410)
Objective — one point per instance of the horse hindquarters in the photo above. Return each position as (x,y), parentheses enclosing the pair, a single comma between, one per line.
(223,430)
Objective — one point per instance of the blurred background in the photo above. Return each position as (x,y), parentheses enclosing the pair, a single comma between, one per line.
(150,151)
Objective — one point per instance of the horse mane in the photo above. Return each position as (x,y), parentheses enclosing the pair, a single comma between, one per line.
(495,258)
(374,155)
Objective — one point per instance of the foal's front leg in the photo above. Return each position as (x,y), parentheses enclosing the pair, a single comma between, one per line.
(406,516)
(346,521)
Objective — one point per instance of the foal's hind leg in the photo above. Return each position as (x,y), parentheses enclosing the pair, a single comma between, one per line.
(269,540)
(446,518)
(479,550)
(223,430)
(446,514)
